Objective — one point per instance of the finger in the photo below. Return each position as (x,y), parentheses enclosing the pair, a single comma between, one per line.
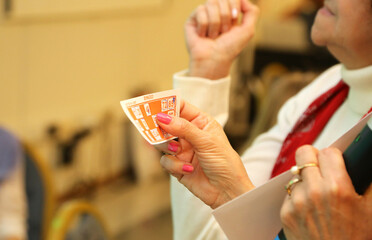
(182,128)
(295,207)
(175,166)
(305,155)
(201,21)
(226,18)
(187,152)
(177,176)
(249,19)
(332,167)
(247,28)
(193,114)
(235,9)
(288,214)
(250,12)
(214,19)
(172,147)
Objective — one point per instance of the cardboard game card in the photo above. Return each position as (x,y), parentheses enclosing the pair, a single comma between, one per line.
(142,113)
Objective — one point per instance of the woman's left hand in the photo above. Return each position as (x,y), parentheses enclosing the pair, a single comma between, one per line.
(324,205)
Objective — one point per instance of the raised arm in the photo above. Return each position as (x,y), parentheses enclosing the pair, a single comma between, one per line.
(215,35)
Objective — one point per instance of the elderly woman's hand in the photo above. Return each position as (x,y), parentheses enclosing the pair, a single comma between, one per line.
(214,37)
(324,205)
(203,160)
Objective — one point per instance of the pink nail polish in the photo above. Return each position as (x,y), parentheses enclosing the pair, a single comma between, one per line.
(173,147)
(187,168)
(163,118)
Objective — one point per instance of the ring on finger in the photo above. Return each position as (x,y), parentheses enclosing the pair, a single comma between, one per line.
(296,170)
(290,185)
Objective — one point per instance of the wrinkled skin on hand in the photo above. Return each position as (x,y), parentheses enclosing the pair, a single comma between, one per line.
(325,205)
(218,173)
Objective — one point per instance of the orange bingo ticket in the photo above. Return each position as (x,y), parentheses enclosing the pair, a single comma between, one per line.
(142,113)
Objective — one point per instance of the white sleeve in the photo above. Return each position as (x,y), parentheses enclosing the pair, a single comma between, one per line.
(13,205)
(192,219)
(210,96)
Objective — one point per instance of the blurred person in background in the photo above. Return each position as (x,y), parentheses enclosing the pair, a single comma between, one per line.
(324,204)
(12,190)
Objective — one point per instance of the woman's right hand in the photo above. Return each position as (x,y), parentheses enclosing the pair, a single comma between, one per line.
(214,35)
(203,159)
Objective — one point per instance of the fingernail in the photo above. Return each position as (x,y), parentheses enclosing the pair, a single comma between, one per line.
(187,168)
(164,118)
(173,147)
(234,13)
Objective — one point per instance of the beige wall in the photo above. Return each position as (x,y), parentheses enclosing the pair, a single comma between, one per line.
(73,68)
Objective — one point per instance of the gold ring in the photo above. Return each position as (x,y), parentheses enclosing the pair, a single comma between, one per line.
(296,170)
(290,184)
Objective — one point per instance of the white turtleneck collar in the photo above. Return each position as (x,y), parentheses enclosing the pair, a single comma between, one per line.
(360,83)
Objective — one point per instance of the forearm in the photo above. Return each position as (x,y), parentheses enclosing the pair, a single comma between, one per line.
(210,68)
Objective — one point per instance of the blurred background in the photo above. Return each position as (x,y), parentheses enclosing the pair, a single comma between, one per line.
(66,64)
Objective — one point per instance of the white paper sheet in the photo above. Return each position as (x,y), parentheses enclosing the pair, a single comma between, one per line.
(255,214)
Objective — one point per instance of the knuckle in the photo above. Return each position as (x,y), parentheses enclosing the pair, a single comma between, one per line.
(201,121)
(324,151)
(215,125)
(330,151)
(184,125)
(299,202)
(167,164)
(336,191)
(286,216)
(201,14)
(314,196)
(202,22)
(199,10)
(225,17)
(215,21)
(304,149)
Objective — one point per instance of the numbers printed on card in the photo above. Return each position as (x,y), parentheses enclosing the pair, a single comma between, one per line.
(142,113)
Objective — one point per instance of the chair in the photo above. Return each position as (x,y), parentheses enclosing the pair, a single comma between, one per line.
(40,194)
(78,220)
(47,223)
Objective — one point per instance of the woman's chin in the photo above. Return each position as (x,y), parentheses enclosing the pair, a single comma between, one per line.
(317,37)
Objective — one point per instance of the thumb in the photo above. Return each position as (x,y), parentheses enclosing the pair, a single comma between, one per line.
(182,128)
(250,16)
